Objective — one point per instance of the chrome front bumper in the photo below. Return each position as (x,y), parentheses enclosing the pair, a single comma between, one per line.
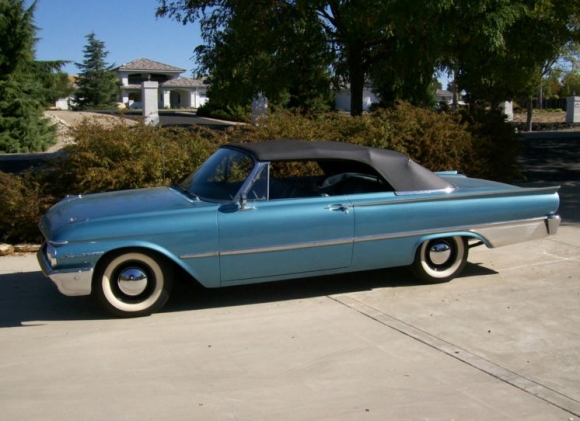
(71,282)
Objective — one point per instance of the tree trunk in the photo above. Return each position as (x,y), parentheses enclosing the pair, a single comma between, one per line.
(455,90)
(530,114)
(357,81)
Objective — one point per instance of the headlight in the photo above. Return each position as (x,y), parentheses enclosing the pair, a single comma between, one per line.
(51,255)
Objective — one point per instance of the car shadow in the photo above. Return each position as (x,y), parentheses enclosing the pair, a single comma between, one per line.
(30,299)
(188,296)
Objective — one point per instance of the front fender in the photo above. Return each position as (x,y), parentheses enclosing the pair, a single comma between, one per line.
(205,269)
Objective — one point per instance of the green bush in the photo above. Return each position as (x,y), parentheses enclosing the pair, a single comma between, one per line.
(127,157)
(118,157)
(230,113)
(23,202)
(437,141)
(495,147)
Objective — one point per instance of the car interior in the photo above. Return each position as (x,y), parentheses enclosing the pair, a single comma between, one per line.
(295,179)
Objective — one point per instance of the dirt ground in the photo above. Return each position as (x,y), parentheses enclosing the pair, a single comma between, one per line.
(542,117)
(66,119)
(70,118)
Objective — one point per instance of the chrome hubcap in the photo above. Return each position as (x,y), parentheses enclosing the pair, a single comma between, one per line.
(132,281)
(439,253)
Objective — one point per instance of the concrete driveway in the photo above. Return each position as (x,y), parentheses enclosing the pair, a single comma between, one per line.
(500,343)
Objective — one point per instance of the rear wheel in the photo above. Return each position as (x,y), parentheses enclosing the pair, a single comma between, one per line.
(132,283)
(440,259)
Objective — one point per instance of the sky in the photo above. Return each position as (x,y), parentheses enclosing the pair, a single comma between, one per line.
(128,28)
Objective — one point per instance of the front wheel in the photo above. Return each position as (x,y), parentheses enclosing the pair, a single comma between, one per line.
(440,259)
(132,283)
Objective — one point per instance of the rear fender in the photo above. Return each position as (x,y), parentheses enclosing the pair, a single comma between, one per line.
(471,236)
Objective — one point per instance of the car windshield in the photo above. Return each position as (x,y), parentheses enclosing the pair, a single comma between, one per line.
(220,177)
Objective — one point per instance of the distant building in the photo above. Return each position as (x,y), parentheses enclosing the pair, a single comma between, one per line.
(175,91)
(65,103)
(444,96)
(342,98)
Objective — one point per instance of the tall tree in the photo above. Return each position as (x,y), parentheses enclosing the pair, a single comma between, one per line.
(566,70)
(245,61)
(349,33)
(98,86)
(55,83)
(501,49)
(410,46)
(385,42)
(494,46)
(571,84)
(22,92)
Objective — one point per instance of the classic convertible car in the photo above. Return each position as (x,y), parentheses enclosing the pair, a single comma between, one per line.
(283,209)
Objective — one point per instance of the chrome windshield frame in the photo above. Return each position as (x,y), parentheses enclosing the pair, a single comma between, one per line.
(256,171)
(244,187)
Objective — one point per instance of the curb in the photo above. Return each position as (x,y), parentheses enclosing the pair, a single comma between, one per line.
(9,249)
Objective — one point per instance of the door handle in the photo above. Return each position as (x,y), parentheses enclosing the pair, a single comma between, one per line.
(338,208)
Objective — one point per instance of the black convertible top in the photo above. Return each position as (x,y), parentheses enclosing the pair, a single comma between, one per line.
(396,168)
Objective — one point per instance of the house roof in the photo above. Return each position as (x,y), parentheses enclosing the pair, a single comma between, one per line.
(183,82)
(144,64)
(442,93)
(401,172)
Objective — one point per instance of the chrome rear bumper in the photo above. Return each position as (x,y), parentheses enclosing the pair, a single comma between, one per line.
(553,223)
(504,234)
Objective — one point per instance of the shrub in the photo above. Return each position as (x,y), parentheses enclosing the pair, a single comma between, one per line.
(231,113)
(495,146)
(437,141)
(126,157)
(23,202)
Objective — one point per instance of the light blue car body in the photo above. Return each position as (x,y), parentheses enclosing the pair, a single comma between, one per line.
(241,241)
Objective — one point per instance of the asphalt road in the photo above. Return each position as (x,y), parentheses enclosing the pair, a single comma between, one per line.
(190,119)
(553,158)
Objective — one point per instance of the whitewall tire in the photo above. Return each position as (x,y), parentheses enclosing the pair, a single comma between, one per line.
(441,259)
(132,283)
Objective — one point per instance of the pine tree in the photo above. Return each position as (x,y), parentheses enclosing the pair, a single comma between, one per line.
(23,127)
(98,86)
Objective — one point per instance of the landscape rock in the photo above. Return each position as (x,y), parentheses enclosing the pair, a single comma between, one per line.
(6,249)
(26,248)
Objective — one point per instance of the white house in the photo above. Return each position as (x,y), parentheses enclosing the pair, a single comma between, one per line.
(342,98)
(175,91)
(443,95)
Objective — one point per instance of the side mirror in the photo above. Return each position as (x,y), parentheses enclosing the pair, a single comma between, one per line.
(243,201)
(243,204)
